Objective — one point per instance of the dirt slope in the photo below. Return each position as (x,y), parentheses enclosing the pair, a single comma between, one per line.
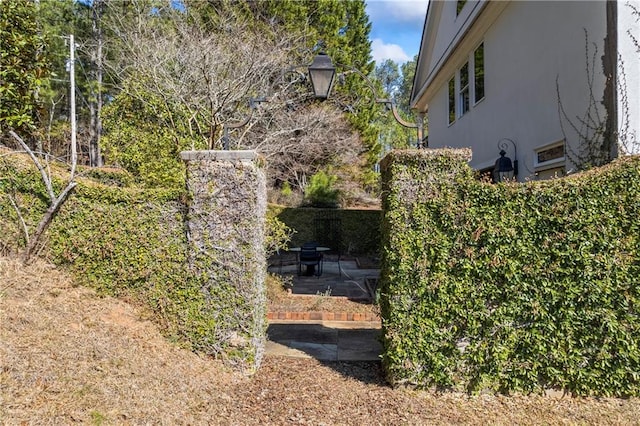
(69,356)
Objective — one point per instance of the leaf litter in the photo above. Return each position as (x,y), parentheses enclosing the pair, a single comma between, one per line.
(68,355)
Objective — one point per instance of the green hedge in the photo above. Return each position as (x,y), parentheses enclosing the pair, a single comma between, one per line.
(510,287)
(123,241)
(360,228)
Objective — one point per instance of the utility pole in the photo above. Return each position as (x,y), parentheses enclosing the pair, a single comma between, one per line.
(72,100)
(97,70)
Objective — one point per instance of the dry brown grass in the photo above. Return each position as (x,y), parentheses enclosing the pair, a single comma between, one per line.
(67,355)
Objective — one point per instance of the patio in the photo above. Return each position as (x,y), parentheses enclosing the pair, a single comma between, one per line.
(327,336)
(352,278)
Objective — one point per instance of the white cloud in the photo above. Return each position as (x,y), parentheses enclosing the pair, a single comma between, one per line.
(410,11)
(397,10)
(396,28)
(381,51)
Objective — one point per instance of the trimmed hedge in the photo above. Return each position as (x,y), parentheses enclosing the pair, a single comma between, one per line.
(510,287)
(360,228)
(127,242)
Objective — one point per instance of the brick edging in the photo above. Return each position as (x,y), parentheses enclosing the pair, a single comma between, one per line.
(322,316)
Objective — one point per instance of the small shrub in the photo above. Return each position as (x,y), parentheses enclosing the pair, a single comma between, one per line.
(321,191)
(278,234)
(286,190)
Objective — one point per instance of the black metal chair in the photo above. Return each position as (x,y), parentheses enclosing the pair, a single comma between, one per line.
(311,259)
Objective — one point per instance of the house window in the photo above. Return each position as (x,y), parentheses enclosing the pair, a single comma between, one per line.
(459,6)
(553,173)
(452,100)
(549,160)
(464,89)
(468,81)
(550,154)
(478,73)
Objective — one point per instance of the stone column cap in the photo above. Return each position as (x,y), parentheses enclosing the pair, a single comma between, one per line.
(218,155)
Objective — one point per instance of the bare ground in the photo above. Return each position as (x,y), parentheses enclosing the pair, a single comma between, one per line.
(69,356)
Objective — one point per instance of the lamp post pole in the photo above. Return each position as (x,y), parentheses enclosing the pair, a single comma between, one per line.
(322,73)
(253,104)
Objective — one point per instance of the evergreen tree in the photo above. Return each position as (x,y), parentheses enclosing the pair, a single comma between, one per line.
(403,98)
(58,19)
(397,86)
(23,66)
(389,76)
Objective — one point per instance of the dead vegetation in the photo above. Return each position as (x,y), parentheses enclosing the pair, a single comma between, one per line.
(67,355)
(281,299)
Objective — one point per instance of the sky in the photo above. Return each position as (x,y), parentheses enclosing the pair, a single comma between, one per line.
(396,28)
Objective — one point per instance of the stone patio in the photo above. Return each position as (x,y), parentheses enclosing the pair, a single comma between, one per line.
(328,340)
(344,278)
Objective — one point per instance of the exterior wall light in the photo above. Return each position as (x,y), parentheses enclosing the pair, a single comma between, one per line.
(504,168)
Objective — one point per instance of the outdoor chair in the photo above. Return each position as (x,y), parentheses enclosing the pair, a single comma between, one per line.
(311,259)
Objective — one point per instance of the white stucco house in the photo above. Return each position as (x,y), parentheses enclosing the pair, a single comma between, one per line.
(544,80)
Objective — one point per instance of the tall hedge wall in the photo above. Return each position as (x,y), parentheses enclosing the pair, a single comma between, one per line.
(127,242)
(360,228)
(510,287)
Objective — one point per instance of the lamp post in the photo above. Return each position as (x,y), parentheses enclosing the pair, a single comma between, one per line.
(322,73)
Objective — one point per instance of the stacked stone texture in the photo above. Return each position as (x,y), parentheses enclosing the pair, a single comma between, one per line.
(225,226)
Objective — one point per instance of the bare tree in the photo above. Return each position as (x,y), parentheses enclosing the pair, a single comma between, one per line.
(55,201)
(628,140)
(298,143)
(591,129)
(208,71)
(604,130)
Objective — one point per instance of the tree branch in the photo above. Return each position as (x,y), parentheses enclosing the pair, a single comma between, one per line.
(25,231)
(43,173)
(46,220)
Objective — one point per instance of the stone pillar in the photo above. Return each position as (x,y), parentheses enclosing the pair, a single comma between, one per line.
(225,226)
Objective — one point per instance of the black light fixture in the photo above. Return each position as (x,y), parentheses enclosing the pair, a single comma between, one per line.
(322,73)
(504,168)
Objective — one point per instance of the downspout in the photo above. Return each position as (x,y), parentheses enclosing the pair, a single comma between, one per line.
(609,68)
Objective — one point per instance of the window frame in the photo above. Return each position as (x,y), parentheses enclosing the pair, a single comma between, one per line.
(451,100)
(462,98)
(464,91)
(477,99)
(554,162)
